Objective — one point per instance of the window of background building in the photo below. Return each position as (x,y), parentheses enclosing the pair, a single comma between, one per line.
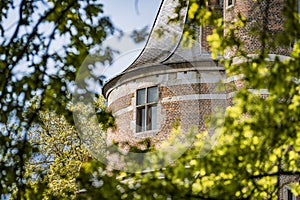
(146,109)
(289,195)
(229,3)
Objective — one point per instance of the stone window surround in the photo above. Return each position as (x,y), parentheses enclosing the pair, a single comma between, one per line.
(146,104)
(228,4)
(286,192)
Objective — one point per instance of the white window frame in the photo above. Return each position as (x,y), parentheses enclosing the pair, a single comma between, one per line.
(287,190)
(229,5)
(146,105)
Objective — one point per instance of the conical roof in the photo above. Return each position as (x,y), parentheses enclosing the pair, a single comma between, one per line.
(168,47)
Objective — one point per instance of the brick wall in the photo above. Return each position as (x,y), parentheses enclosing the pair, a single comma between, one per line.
(265,16)
(189,95)
(216,6)
(180,101)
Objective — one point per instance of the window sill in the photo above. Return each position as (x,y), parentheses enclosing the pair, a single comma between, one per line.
(229,7)
(145,134)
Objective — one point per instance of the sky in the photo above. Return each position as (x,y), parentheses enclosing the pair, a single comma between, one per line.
(125,16)
(128,15)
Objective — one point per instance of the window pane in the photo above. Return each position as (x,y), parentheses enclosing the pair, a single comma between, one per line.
(152,94)
(141,97)
(152,117)
(140,119)
(289,195)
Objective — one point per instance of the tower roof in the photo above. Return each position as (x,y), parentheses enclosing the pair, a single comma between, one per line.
(166,48)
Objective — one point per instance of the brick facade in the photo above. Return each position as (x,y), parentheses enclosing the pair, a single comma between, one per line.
(182,79)
(265,16)
(192,88)
(180,101)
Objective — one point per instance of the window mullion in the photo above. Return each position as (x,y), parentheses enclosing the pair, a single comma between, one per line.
(146,109)
(145,117)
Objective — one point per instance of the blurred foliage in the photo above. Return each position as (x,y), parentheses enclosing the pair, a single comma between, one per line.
(258,136)
(53,170)
(42,46)
(104,115)
(140,35)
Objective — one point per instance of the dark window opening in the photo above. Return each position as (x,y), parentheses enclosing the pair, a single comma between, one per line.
(289,195)
(229,3)
(146,109)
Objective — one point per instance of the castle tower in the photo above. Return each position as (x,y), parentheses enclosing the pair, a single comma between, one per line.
(169,84)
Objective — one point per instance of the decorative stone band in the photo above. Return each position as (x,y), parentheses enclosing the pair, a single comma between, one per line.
(250,57)
(259,92)
(195,97)
(124,110)
(159,70)
(234,78)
